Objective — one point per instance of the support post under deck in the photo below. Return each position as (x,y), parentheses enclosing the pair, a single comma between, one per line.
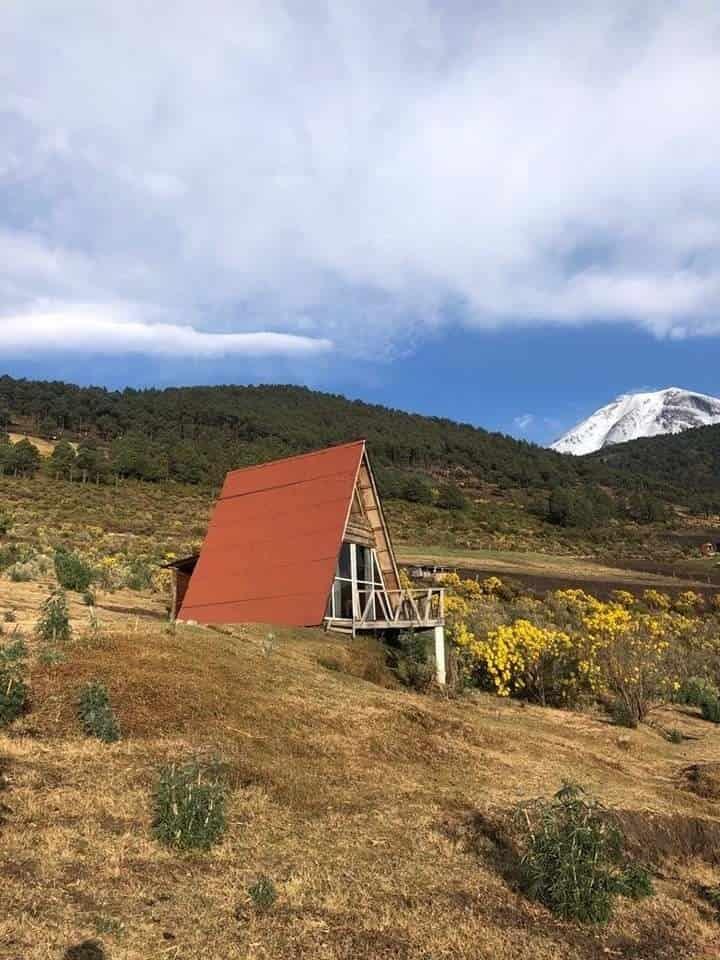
(440,654)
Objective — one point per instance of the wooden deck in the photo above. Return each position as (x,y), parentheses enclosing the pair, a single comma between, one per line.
(395,610)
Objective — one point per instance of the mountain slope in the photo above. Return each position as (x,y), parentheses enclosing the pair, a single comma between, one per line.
(639,415)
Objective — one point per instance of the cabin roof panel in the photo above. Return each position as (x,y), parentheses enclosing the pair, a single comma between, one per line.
(271,548)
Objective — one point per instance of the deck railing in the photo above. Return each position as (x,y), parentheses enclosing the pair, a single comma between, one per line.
(402,607)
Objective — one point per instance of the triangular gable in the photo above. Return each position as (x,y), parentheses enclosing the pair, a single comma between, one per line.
(273,541)
(366,524)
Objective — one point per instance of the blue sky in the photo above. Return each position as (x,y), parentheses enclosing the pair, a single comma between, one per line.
(505,214)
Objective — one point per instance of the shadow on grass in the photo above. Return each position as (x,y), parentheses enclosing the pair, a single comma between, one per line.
(87,950)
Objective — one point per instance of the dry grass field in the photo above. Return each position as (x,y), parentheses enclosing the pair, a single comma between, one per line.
(378,813)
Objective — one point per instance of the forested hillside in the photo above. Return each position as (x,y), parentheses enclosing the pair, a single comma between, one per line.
(685,466)
(196,433)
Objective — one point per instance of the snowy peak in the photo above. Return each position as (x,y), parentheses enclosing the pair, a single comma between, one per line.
(637,415)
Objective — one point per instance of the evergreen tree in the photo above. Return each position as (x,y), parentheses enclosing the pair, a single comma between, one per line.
(27,458)
(63,459)
(88,460)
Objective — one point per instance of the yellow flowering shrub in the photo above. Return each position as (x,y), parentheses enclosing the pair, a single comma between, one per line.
(623,597)
(552,650)
(632,657)
(656,600)
(521,657)
(688,602)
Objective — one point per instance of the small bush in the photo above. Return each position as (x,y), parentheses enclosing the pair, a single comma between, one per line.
(573,858)
(10,555)
(263,893)
(13,690)
(674,735)
(20,573)
(710,708)
(6,522)
(89,598)
(50,657)
(408,658)
(72,572)
(695,690)
(54,624)
(189,807)
(9,616)
(623,715)
(139,576)
(712,896)
(96,713)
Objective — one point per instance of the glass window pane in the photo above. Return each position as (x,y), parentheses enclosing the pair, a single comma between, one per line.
(345,607)
(364,563)
(344,561)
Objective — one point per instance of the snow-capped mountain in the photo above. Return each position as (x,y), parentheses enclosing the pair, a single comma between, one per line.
(637,415)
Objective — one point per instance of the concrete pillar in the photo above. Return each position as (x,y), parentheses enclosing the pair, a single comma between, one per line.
(440,655)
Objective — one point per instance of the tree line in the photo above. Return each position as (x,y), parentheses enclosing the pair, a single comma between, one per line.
(208,430)
(198,434)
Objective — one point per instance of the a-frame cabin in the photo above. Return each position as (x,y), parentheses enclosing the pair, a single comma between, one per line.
(303,542)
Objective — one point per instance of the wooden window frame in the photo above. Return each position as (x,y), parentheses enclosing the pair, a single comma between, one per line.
(357,586)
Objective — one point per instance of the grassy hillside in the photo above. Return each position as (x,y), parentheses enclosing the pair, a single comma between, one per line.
(379,815)
(149,521)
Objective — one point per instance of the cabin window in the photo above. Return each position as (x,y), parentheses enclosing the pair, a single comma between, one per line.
(356,576)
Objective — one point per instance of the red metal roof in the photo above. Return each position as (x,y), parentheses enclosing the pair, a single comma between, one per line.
(272,545)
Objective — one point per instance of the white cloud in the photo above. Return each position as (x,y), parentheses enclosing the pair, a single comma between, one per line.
(523,422)
(349,170)
(96,330)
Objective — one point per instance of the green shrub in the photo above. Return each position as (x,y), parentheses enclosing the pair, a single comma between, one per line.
(710,708)
(6,522)
(50,656)
(695,690)
(712,896)
(96,714)
(20,573)
(189,807)
(674,735)
(622,715)
(54,623)
(13,689)
(263,893)
(409,659)
(9,555)
(451,497)
(139,576)
(72,572)
(573,858)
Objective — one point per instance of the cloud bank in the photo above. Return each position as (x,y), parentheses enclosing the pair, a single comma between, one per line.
(357,172)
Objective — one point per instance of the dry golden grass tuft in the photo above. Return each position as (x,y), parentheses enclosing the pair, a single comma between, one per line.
(377,813)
